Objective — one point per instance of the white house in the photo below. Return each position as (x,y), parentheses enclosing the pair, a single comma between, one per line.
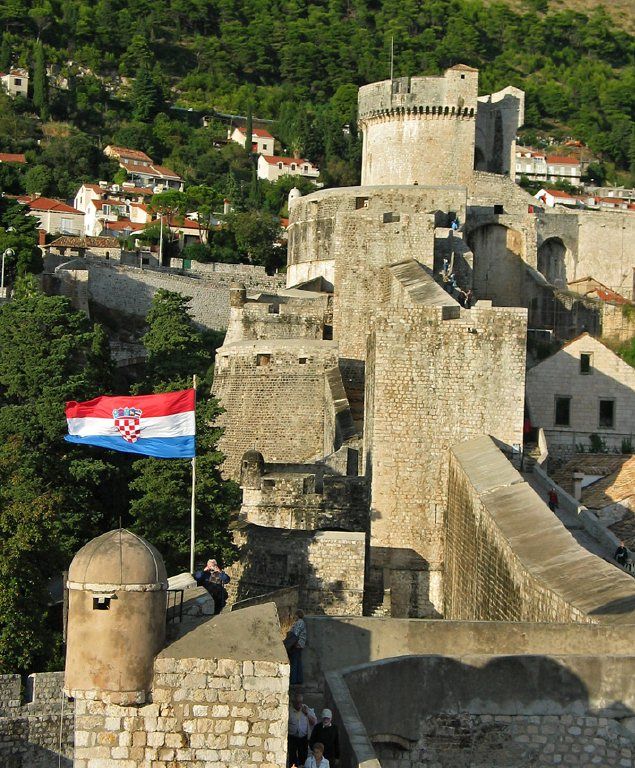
(553,197)
(273,167)
(583,389)
(142,170)
(538,166)
(54,216)
(16,82)
(261,140)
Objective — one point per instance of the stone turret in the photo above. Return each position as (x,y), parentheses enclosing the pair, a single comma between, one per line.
(419,130)
(116,618)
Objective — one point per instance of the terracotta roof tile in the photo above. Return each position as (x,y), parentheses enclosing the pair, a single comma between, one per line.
(68,241)
(7,157)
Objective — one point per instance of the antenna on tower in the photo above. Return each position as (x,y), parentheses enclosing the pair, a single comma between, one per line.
(392,55)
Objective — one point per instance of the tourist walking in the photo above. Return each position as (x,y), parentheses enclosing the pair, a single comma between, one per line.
(295,643)
(301,721)
(317,759)
(325,733)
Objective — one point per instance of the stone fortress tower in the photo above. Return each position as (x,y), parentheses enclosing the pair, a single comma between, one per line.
(419,130)
(365,355)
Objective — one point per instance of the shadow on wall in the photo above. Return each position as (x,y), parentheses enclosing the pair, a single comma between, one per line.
(552,261)
(505,711)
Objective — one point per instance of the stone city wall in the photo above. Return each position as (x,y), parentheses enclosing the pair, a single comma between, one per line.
(30,731)
(509,558)
(130,290)
(273,393)
(464,711)
(327,567)
(597,244)
(430,383)
(223,711)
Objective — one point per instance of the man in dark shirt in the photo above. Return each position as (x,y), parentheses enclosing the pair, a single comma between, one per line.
(326,733)
(213,578)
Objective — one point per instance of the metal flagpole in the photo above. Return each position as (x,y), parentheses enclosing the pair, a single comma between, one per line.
(193,506)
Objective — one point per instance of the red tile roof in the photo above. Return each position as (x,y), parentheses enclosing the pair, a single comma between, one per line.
(123,224)
(184,224)
(9,158)
(134,154)
(275,159)
(48,204)
(562,160)
(68,241)
(260,132)
(156,171)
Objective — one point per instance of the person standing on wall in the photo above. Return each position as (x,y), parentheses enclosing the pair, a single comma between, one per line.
(621,554)
(553,500)
(295,643)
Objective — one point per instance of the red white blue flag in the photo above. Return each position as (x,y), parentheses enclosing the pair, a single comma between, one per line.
(152,425)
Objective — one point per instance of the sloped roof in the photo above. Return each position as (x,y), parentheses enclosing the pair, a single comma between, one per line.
(68,241)
(7,157)
(48,204)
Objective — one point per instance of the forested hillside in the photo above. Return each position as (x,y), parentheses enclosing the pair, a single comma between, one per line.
(120,64)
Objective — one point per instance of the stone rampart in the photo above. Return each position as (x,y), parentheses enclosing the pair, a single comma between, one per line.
(36,732)
(486,711)
(273,393)
(509,558)
(130,289)
(327,567)
(434,375)
(219,695)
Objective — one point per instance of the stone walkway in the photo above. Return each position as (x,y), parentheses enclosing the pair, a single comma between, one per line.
(571,522)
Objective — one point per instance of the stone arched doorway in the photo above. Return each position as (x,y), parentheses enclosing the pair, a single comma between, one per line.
(498,264)
(552,261)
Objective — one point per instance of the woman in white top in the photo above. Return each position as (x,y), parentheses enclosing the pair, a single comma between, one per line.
(317,759)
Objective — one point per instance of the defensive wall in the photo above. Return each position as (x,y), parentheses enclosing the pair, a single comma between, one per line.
(130,289)
(33,727)
(219,695)
(303,525)
(282,397)
(508,558)
(435,374)
(486,711)
(419,130)
(498,117)
(598,244)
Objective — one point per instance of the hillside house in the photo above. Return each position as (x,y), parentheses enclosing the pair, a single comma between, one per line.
(537,166)
(553,197)
(262,142)
(16,82)
(142,170)
(273,167)
(583,389)
(54,216)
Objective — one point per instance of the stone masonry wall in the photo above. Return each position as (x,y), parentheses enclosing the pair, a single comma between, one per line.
(509,558)
(30,731)
(499,741)
(130,290)
(327,566)
(430,383)
(222,711)
(273,393)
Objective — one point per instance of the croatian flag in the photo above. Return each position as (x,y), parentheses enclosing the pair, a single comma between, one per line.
(152,425)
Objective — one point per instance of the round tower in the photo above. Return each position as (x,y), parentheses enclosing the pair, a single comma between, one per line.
(116,618)
(251,470)
(294,194)
(419,130)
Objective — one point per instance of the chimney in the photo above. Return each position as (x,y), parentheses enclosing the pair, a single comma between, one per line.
(578,477)
(41,237)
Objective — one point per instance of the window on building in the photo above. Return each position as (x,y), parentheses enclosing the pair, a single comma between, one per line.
(563,411)
(280,166)
(274,309)
(18,81)
(499,209)
(269,483)
(106,210)
(293,166)
(361,202)
(263,359)
(585,362)
(66,225)
(607,414)
(303,360)
(264,147)
(391,218)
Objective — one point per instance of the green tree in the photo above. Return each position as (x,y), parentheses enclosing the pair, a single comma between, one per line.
(147,95)
(5,53)
(161,506)
(257,237)
(53,497)
(40,87)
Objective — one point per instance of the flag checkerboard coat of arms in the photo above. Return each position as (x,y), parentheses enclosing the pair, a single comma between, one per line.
(127,423)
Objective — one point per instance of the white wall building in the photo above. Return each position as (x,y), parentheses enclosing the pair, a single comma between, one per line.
(16,82)
(537,166)
(272,168)
(54,216)
(583,389)
(262,142)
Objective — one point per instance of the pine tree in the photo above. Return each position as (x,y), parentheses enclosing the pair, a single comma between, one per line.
(40,89)
(146,94)
(5,53)
(249,131)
